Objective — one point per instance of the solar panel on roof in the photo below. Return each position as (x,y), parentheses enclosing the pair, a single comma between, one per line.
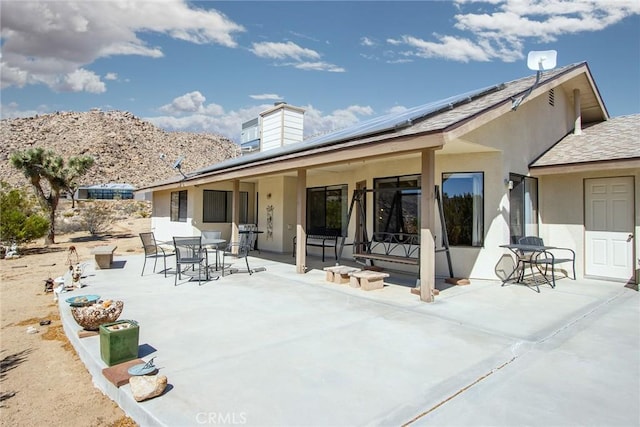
(398,120)
(360,130)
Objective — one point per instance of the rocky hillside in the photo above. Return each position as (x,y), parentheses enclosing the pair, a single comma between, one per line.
(125,148)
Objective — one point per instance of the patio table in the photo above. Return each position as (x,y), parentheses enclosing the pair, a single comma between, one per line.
(214,244)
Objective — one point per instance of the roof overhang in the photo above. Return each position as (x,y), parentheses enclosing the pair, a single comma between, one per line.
(606,165)
(342,153)
(578,77)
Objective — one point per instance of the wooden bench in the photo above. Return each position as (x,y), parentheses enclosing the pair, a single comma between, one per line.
(339,274)
(322,239)
(402,248)
(367,280)
(104,256)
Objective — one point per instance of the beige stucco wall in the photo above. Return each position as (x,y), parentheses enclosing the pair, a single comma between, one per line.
(165,229)
(562,210)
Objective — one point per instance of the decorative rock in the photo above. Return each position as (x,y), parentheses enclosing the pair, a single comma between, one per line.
(147,386)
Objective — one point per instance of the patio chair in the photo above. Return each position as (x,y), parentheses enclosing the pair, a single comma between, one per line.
(237,250)
(546,257)
(152,250)
(190,253)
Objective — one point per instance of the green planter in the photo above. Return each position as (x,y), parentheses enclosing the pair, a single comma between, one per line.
(119,341)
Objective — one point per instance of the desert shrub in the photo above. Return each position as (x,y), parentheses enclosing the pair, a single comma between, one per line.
(70,225)
(21,220)
(96,216)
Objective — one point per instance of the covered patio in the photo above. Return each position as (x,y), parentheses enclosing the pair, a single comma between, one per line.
(280,348)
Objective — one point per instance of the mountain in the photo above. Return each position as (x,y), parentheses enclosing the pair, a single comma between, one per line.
(126,149)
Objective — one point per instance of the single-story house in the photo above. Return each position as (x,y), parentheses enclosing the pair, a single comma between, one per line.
(532,156)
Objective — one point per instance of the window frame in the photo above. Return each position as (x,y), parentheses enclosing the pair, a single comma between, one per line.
(523,210)
(227,209)
(476,234)
(406,192)
(178,206)
(312,215)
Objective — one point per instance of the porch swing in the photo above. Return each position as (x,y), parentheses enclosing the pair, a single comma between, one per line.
(384,246)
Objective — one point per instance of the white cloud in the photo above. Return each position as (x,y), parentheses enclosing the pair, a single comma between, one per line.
(111,76)
(274,50)
(12,111)
(303,58)
(457,49)
(188,113)
(319,66)
(81,80)
(366,41)
(50,42)
(315,123)
(500,30)
(272,96)
(192,102)
(228,124)
(397,109)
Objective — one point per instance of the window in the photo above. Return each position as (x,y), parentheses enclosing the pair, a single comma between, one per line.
(217,206)
(463,206)
(327,209)
(179,206)
(523,211)
(397,204)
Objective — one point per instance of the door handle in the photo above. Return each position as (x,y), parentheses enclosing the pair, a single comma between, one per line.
(629,238)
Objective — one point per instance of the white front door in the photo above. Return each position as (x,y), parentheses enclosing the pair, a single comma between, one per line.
(609,211)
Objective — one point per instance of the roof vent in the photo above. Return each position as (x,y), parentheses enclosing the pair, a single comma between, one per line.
(552,98)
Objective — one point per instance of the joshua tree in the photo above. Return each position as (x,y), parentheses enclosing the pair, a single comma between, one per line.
(48,175)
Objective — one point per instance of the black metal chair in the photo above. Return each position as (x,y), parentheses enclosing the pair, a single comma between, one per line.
(190,253)
(238,250)
(545,258)
(152,250)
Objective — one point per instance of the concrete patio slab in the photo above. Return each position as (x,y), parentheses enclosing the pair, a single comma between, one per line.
(280,348)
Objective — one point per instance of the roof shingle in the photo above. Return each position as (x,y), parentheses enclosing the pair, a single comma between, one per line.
(615,139)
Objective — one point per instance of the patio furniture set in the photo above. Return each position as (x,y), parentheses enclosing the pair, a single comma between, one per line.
(192,254)
(532,252)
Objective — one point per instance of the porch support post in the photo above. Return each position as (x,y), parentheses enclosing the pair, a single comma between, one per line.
(235,214)
(301,223)
(427,221)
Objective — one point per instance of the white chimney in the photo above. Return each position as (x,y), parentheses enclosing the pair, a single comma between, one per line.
(577,126)
(281,125)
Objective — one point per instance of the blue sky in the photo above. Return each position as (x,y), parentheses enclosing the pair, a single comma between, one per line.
(208,66)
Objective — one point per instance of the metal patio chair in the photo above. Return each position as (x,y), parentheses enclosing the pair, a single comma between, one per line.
(546,257)
(238,250)
(152,250)
(190,254)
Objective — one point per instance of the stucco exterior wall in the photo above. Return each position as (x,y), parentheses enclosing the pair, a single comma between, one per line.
(271,193)
(562,211)
(165,229)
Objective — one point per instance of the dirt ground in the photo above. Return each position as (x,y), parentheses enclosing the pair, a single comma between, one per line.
(42,380)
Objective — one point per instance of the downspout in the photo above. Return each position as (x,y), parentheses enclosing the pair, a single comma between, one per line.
(577,125)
